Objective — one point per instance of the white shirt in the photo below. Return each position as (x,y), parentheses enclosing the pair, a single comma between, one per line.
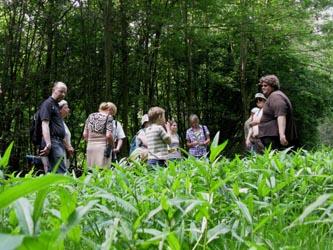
(118,131)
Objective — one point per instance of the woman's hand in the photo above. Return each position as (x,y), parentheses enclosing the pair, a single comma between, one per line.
(283,140)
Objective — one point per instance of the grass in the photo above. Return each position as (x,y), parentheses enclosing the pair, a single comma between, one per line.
(270,201)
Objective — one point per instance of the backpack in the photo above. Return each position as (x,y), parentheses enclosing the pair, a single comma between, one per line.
(132,144)
(36,132)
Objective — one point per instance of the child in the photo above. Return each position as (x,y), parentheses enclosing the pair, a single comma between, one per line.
(158,137)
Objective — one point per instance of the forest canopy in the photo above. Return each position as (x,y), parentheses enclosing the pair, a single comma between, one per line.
(202,57)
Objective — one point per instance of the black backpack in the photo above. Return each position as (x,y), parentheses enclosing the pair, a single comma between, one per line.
(36,132)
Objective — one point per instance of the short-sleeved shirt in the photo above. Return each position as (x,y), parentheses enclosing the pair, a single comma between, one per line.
(49,111)
(99,123)
(157,148)
(174,147)
(140,137)
(199,136)
(118,131)
(277,104)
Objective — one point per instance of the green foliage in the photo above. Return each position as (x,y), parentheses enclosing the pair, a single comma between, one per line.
(271,201)
(5,158)
(201,57)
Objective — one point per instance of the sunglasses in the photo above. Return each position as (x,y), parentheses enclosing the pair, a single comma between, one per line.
(260,99)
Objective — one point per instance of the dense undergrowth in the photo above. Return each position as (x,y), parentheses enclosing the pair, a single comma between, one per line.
(271,201)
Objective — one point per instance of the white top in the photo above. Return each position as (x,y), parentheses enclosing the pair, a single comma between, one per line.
(118,131)
(174,151)
(67,139)
(256,118)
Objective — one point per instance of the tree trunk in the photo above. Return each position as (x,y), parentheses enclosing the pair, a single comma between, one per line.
(108,56)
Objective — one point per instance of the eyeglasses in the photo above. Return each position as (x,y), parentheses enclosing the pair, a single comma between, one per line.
(263,85)
(260,99)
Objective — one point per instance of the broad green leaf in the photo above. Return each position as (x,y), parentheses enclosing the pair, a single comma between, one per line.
(245,211)
(216,231)
(10,242)
(44,241)
(263,190)
(110,235)
(129,207)
(309,209)
(38,208)
(153,212)
(30,185)
(6,157)
(23,211)
(266,219)
(193,204)
(75,234)
(235,188)
(152,231)
(173,241)
(164,203)
(138,221)
(76,217)
(216,149)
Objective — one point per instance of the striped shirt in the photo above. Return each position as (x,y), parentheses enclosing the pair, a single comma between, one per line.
(157,148)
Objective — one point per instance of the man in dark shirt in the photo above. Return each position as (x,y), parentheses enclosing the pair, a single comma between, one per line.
(52,145)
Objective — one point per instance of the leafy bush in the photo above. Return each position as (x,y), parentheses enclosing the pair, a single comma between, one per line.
(271,201)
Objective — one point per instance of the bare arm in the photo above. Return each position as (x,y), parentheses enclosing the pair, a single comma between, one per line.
(168,129)
(47,138)
(119,144)
(282,128)
(86,134)
(248,142)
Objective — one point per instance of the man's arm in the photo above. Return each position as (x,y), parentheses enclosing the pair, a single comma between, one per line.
(47,138)
(119,144)
(121,135)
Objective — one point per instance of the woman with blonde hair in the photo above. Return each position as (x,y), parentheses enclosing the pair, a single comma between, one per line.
(98,134)
(197,138)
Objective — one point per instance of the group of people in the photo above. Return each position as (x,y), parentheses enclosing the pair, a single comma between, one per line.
(271,123)
(158,140)
(100,129)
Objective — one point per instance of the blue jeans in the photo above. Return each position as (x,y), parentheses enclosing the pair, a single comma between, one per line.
(175,159)
(155,163)
(57,153)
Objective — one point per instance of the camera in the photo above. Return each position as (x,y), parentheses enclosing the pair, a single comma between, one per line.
(107,151)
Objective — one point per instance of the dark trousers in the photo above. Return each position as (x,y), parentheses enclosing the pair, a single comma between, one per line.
(274,141)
